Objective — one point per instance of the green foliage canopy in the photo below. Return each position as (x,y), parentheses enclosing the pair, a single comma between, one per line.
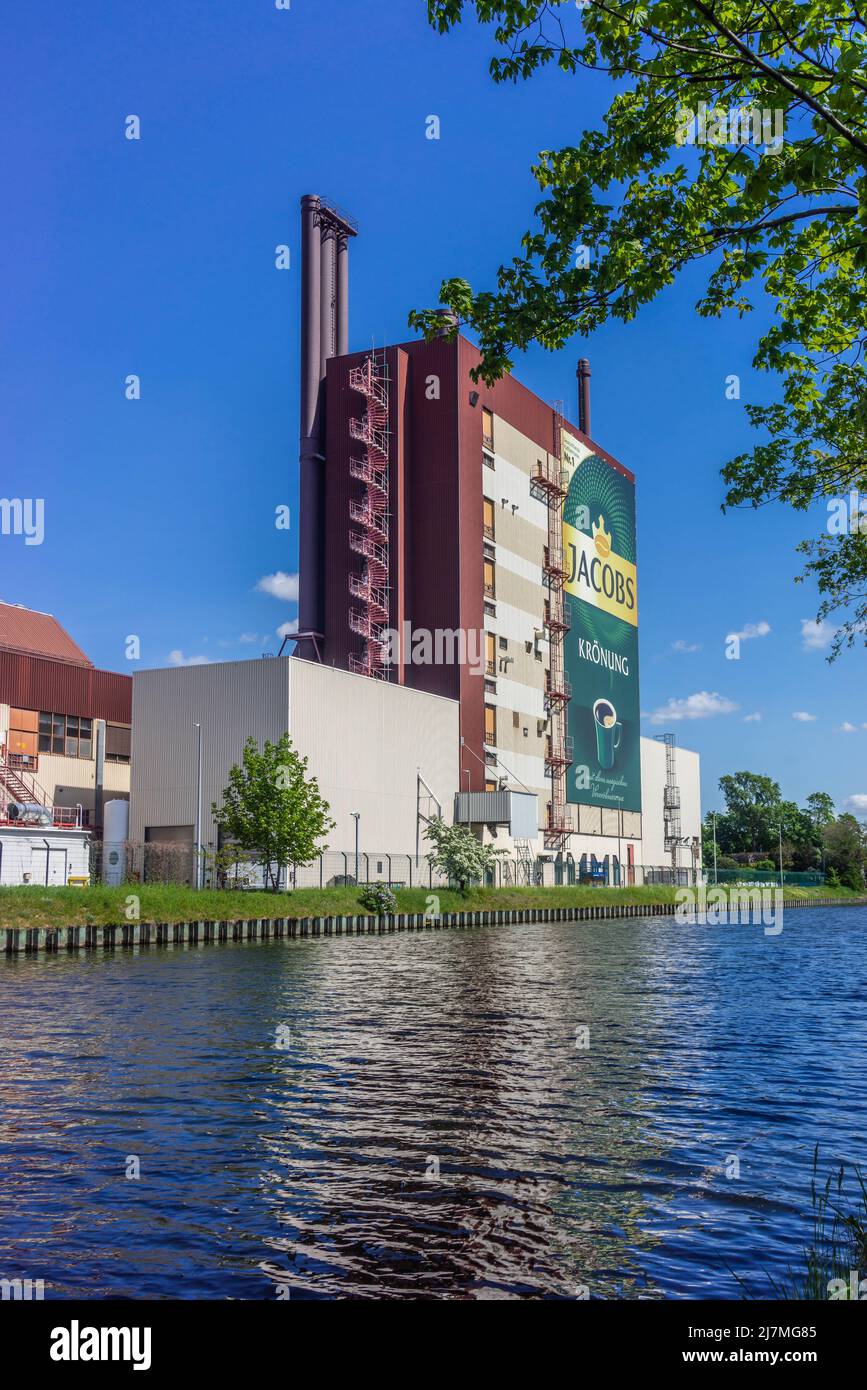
(787,223)
(272,809)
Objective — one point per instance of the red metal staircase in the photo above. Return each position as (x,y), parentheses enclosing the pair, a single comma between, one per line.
(370,619)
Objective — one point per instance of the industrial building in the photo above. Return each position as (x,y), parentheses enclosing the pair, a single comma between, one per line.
(64,748)
(384,754)
(468,622)
(472,542)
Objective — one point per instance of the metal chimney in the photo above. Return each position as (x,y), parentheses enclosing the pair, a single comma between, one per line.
(583,375)
(325,234)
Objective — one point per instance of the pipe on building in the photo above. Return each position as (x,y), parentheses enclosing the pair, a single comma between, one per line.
(310,545)
(583,375)
(310,318)
(342,294)
(328,301)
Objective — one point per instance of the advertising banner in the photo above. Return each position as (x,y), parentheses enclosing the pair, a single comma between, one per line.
(601,646)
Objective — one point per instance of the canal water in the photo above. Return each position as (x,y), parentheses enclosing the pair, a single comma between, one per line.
(501,1112)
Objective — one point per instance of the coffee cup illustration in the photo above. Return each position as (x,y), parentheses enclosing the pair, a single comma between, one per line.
(608,732)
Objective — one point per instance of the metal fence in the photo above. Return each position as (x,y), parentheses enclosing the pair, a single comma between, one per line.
(767,878)
(165,862)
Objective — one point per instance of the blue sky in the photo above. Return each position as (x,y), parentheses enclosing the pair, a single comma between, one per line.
(156,258)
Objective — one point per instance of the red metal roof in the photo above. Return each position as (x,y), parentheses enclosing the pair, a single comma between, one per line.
(37,634)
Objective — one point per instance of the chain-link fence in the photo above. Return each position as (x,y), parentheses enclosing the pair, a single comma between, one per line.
(169,862)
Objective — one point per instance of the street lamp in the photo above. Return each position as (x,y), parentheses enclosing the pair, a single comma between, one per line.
(715,879)
(356,815)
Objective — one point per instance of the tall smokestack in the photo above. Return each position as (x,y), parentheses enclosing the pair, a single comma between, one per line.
(583,375)
(325,234)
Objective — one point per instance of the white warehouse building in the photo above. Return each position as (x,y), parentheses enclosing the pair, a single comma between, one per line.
(387,753)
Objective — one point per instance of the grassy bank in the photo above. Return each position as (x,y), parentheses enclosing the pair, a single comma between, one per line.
(36,906)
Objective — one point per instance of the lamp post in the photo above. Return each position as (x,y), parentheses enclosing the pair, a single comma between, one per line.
(357,817)
(780,828)
(198,729)
(715,879)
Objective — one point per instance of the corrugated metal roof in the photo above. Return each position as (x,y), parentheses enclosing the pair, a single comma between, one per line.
(38,634)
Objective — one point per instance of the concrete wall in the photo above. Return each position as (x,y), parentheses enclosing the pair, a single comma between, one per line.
(364,739)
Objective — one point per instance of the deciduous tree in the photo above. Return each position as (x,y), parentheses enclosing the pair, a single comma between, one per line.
(631,205)
(272,809)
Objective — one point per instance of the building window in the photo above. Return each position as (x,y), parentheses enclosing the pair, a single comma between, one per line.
(117,743)
(490,587)
(67,735)
(490,724)
(487,428)
(490,654)
(23,736)
(488,508)
(504,644)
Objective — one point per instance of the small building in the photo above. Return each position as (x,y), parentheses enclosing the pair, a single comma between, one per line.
(50,855)
(64,725)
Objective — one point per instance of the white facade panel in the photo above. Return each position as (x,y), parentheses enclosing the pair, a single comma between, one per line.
(516,564)
(514,623)
(513,485)
(529,700)
(365,741)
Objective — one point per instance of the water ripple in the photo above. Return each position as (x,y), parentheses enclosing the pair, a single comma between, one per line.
(431,1129)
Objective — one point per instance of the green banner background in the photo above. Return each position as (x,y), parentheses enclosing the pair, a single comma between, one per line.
(605,492)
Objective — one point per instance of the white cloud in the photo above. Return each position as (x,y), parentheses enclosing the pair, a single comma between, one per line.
(279,585)
(816,637)
(681,646)
(250,637)
(703,705)
(803,717)
(750,630)
(856,805)
(752,718)
(846,728)
(287,629)
(177,658)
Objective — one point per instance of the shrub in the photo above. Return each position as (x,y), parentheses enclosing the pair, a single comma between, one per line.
(377,898)
(457,853)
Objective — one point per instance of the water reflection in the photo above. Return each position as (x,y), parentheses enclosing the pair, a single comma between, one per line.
(311,1168)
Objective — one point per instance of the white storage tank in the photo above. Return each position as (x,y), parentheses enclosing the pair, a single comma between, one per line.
(115,833)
